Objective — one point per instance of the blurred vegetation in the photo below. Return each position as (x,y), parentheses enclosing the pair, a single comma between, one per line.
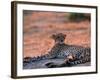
(79,17)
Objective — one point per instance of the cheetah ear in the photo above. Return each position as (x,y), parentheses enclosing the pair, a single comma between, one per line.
(64,35)
(53,36)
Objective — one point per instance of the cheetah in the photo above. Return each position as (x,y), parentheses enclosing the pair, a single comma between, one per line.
(72,54)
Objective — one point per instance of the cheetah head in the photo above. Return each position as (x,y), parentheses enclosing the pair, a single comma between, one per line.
(59,38)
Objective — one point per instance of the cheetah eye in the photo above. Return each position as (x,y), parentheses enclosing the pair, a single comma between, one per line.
(58,37)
